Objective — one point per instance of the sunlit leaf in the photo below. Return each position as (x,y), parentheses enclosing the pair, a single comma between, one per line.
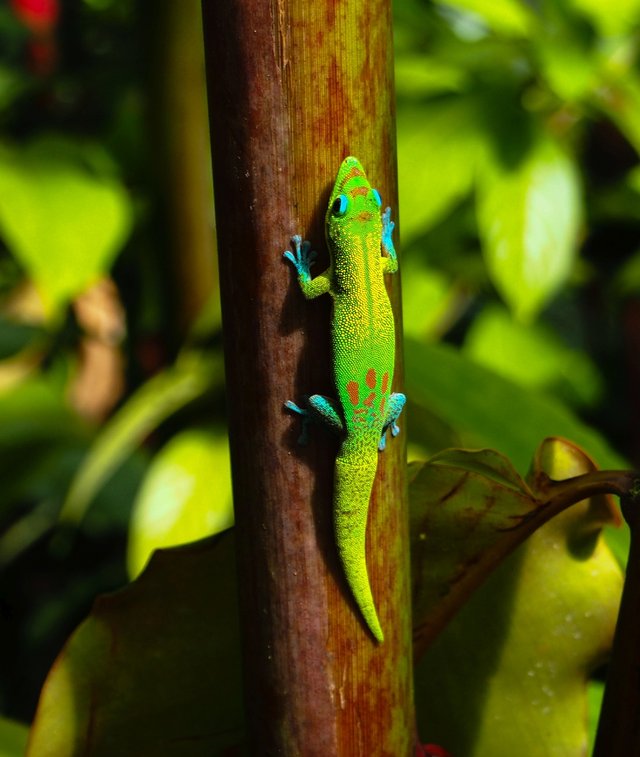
(427,299)
(62,219)
(155,669)
(528,217)
(531,355)
(437,158)
(620,17)
(513,665)
(186,495)
(504,16)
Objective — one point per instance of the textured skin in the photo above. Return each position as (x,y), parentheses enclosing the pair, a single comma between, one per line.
(363,341)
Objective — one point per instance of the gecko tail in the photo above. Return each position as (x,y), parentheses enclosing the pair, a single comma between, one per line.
(352,492)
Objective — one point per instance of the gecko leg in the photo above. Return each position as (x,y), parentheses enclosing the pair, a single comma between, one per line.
(387,230)
(303,258)
(320,409)
(396,404)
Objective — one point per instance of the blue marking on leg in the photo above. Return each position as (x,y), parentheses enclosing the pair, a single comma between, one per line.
(396,404)
(303,258)
(326,411)
(319,409)
(387,230)
(303,439)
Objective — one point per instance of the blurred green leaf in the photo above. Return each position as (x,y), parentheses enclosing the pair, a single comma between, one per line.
(64,221)
(531,355)
(428,298)
(186,496)
(13,738)
(618,96)
(503,16)
(16,336)
(420,75)
(437,159)
(155,401)
(528,217)
(613,18)
(487,410)
(567,60)
(155,669)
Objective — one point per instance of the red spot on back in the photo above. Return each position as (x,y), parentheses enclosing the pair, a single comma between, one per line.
(385,381)
(371,378)
(369,401)
(382,404)
(353,392)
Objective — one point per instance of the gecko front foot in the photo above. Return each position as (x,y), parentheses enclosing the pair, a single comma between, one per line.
(303,258)
(387,230)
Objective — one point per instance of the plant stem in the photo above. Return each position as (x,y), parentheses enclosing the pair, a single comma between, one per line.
(294,87)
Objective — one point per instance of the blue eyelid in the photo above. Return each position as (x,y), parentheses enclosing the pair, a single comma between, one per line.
(340,204)
(377,198)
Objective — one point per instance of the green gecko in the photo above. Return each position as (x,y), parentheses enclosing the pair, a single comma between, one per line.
(363,345)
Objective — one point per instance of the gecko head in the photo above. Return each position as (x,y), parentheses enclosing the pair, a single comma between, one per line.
(354,206)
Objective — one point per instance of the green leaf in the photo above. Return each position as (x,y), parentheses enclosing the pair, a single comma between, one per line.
(503,16)
(487,410)
(155,401)
(13,738)
(16,336)
(528,219)
(155,669)
(186,496)
(437,159)
(513,665)
(62,219)
(532,355)
(427,298)
(611,19)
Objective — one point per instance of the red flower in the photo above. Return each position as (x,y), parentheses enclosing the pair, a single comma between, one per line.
(37,15)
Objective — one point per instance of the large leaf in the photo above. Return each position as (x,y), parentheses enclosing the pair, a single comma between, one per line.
(155,669)
(186,495)
(63,220)
(528,218)
(437,158)
(513,665)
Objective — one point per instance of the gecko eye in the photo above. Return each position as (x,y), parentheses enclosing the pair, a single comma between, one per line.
(377,198)
(340,205)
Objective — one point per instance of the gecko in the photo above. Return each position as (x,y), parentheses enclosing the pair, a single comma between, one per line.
(363,357)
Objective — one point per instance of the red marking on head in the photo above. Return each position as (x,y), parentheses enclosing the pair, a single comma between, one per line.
(369,401)
(355,171)
(357,191)
(382,404)
(353,392)
(364,216)
(385,381)
(371,378)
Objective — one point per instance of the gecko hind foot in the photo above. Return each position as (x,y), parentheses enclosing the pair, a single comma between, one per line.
(303,439)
